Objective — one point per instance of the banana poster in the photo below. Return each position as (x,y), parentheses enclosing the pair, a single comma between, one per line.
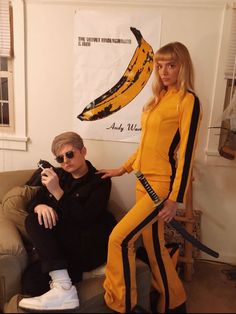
(113,71)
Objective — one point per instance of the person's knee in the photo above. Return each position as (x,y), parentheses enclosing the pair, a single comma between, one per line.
(118,238)
(115,236)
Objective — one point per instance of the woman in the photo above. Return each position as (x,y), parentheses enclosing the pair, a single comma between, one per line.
(170,123)
(69,226)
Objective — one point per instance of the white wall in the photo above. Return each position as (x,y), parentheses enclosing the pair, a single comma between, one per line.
(49,74)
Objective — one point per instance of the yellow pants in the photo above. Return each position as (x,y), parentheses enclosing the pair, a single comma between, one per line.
(120,283)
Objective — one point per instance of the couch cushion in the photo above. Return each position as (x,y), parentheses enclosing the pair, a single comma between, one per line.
(14,205)
(18,197)
(9,179)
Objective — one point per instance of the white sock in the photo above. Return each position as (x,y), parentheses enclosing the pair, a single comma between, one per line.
(61,277)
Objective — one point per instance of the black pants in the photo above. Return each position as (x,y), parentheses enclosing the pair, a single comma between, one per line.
(48,244)
(34,282)
(50,248)
(66,246)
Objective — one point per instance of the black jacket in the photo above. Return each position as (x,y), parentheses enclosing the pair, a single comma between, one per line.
(84,221)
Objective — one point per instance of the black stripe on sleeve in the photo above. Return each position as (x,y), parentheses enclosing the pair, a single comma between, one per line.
(173,146)
(189,150)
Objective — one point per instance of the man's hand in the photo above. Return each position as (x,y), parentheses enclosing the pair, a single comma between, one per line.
(50,179)
(47,216)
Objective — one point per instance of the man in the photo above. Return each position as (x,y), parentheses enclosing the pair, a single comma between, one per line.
(69,226)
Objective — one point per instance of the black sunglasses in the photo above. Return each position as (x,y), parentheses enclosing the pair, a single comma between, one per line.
(70,154)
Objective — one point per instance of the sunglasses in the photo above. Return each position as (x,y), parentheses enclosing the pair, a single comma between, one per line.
(70,154)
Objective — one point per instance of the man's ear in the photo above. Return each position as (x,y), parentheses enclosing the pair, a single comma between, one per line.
(84,151)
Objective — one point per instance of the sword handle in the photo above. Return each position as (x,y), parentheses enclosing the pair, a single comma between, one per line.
(156,199)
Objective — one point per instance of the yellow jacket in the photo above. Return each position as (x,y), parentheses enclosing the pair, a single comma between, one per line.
(169,127)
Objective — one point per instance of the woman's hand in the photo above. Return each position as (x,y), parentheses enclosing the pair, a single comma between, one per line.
(50,179)
(169,210)
(47,216)
(112,172)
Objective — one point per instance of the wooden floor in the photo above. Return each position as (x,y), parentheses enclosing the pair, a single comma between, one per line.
(211,290)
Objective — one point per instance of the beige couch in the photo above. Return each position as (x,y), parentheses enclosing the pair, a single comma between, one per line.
(15,254)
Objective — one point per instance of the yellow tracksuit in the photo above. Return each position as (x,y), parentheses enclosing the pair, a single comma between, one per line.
(169,127)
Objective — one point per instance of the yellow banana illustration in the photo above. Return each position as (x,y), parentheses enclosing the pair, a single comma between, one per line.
(128,87)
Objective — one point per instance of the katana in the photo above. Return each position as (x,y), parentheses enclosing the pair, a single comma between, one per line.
(175,224)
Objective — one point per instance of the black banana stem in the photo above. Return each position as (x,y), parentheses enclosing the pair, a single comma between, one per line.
(175,224)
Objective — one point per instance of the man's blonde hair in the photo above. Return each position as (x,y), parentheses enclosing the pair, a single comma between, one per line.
(64,139)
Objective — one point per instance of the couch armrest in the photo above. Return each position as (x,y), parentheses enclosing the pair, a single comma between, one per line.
(10,278)
(13,259)
(11,242)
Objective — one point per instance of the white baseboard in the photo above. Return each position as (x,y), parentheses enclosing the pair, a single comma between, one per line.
(223,258)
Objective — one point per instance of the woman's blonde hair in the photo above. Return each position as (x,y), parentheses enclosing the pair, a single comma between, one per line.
(177,52)
(64,139)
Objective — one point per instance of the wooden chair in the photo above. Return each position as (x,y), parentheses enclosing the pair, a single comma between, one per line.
(189,220)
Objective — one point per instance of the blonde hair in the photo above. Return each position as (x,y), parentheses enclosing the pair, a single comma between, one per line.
(177,52)
(64,139)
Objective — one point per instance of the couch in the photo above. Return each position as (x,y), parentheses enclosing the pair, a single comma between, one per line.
(16,251)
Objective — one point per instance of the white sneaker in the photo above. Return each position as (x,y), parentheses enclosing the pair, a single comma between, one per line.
(57,298)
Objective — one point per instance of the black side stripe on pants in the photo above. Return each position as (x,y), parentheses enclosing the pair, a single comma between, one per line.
(125,260)
(160,263)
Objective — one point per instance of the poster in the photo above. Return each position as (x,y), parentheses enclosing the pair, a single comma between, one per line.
(113,62)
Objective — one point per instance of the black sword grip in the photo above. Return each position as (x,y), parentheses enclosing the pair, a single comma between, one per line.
(154,197)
